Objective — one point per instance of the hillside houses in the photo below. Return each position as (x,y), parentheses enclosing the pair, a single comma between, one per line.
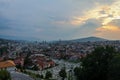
(42,61)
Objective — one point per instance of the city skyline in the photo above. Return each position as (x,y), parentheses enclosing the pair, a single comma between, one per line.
(59,19)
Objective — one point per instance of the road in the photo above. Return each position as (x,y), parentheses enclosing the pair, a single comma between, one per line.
(19,76)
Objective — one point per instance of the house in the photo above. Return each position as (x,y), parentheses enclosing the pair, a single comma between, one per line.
(19,61)
(8,65)
(42,61)
(41,65)
(51,63)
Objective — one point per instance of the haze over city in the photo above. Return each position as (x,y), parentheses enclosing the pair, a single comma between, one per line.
(59,19)
(59,40)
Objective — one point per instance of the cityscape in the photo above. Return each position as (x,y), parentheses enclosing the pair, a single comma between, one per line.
(59,40)
(39,57)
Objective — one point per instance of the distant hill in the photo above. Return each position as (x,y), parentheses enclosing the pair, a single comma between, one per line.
(91,39)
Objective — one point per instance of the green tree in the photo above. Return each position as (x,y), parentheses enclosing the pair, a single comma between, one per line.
(114,68)
(27,61)
(77,72)
(95,65)
(20,67)
(48,75)
(5,75)
(63,73)
(35,67)
(3,50)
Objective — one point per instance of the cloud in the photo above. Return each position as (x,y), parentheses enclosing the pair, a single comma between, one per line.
(104,13)
(108,28)
(108,31)
(4,23)
(115,22)
(55,19)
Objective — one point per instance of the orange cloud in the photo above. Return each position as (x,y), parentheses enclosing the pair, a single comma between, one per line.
(108,28)
(108,31)
(78,20)
(104,13)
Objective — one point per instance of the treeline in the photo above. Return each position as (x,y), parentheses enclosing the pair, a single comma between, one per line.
(5,75)
(3,50)
(102,64)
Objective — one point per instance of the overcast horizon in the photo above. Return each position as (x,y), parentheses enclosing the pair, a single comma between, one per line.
(59,19)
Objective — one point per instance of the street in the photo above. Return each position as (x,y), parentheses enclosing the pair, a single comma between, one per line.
(20,76)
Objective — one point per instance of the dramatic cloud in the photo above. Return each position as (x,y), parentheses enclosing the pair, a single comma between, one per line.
(59,19)
(104,13)
(109,31)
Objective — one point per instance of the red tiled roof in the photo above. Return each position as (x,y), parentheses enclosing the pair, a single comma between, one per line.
(5,64)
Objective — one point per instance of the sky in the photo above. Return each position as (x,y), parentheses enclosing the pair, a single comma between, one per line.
(59,19)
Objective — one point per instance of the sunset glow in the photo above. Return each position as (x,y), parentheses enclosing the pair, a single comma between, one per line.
(105,13)
(59,19)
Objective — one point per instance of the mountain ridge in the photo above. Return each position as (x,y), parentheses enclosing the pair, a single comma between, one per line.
(91,39)
(85,39)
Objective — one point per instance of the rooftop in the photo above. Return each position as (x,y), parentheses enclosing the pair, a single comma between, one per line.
(8,63)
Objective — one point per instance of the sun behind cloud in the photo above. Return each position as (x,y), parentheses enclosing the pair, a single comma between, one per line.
(108,31)
(104,13)
(108,28)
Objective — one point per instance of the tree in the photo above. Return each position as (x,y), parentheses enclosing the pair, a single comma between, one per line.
(5,75)
(77,72)
(35,67)
(63,73)
(20,67)
(27,61)
(3,50)
(41,76)
(95,65)
(114,68)
(48,75)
